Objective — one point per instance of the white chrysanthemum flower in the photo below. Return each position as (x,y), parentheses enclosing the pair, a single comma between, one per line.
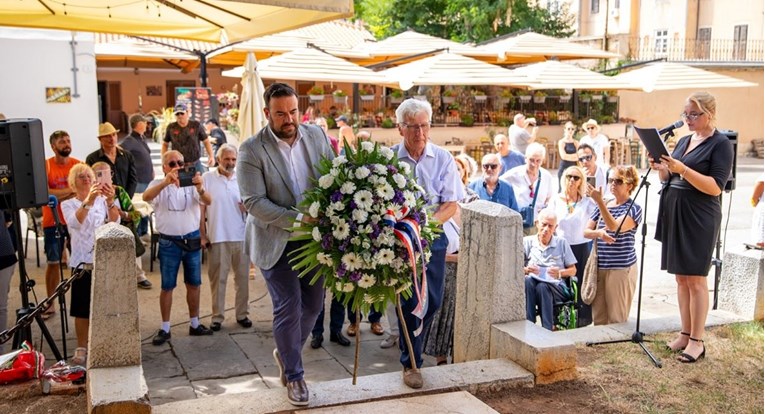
(365,229)
(409,198)
(326,181)
(316,234)
(355,240)
(365,244)
(342,230)
(384,256)
(362,172)
(400,180)
(348,188)
(359,216)
(406,168)
(352,261)
(339,286)
(367,146)
(348,287)
(386,152)
(324,259)
(375,218)
(363,199)
(313,210)
(338,161)
(334,219)
(381,169)
(391,282)
(397,264)
(334,172)
(366,281)
(337,205)
(386,191)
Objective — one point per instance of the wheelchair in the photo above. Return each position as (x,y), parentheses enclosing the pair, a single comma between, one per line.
(565,313)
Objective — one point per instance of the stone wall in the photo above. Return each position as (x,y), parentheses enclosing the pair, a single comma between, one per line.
(741,283)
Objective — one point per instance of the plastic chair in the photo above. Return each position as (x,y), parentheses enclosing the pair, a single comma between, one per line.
(34,225)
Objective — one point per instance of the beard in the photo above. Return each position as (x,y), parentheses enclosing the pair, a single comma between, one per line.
(281,133)
(64,152)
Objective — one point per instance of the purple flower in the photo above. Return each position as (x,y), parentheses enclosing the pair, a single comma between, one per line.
(353,226)
(398,198)
(392,169)
(336,196)
(355,276)
(353,205)
(326,241)
(423,243)
(343,246)
(341,270)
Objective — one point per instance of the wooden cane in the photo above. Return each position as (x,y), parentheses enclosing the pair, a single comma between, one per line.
(358,342)
(406,332)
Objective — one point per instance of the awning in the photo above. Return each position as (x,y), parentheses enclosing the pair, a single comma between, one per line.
(535,47)
(557,75)
(663,76)
(209,20)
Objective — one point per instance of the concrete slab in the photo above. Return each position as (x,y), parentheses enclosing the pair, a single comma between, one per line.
(117,390)
(160,362)
(168,390)
(461,402)
(233,385)
(215,356)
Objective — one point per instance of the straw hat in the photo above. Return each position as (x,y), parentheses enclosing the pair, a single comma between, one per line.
(106,129)
(591,122)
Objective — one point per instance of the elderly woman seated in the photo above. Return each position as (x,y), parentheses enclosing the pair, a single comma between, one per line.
(547,259)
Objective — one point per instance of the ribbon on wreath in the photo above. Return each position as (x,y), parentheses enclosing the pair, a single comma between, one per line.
(407,230)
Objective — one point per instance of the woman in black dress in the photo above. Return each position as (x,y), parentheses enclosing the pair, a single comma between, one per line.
(567,148)
(689,217)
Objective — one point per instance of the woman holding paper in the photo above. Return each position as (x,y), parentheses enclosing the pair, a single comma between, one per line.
(548,259)
(689,217)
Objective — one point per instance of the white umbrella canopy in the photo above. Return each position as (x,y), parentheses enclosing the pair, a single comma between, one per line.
(662,76)
(251,117)
(209,20)
(309,64)
(411,43)
(535,47)
(452,69)
(557,75)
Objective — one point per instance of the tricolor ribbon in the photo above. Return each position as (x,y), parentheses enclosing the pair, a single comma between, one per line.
(407,230)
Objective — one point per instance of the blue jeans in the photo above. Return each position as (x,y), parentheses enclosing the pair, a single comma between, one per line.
(336,318)
(543,295)
(435,276)
(53,245)
(170,258)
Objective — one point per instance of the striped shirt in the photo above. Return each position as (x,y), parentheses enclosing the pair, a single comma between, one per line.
(621,253)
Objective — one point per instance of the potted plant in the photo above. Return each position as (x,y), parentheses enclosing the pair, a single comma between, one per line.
(479,95)
(449,96)
(421,97)
(597,96)
(585,97)
(396,96)
(504,97)
(366,94)
(316,93)
(387,123)
(340,96)
(454,109)
(564,97)
(524,96)
(467,120)
(539,97)
(612,96)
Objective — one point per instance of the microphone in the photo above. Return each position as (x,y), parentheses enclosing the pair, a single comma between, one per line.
(53,204)
(672,127)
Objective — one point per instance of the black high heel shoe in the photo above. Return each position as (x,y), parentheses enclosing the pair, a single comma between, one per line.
(689,359)
(670,349)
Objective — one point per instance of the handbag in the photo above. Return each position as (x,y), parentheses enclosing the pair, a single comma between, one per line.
(527,213)
(590,282)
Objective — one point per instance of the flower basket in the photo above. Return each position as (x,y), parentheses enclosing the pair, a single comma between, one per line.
(396,99)
(613,99)
(524,98)
(340,99)
(448,99)
(480,98)
(421,97)
(367,97)
(316,98)
(503,100)
(564,98)
(539,99)
(585,98)
(597,97)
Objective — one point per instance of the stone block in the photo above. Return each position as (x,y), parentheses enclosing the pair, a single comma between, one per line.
(489,278)
(741,283)
(461,402)
(550,357)
(114,339)
(120,390)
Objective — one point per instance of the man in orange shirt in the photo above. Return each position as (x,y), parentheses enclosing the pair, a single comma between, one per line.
(57,168)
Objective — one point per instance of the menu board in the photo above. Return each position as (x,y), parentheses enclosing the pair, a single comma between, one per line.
(201,102)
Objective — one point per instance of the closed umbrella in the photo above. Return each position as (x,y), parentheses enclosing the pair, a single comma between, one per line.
(251,117)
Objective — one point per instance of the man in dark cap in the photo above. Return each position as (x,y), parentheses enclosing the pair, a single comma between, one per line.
(185,135)
(346,132)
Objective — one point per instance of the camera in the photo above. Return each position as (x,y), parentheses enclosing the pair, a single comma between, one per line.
(185,176)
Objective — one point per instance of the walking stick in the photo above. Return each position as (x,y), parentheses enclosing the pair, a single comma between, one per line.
(358,342)
(406,332)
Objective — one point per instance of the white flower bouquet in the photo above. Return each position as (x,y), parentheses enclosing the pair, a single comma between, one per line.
(372,235)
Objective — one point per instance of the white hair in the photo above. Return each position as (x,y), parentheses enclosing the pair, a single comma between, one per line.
(411,107)
(535,148)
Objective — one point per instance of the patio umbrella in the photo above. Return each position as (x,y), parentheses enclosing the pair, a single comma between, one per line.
(411,43)
(662,76)
(452,69)
(208,20)
(251,117)
(557,75)
(535,47)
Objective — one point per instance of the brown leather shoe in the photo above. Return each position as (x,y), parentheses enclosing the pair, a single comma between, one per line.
(412,378)
(352,328)
(377,329)
(297,392)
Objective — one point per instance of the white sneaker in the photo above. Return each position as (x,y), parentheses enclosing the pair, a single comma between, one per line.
(389,342)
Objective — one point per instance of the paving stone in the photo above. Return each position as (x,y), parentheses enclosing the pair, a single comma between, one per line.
(233,385)
(214,356)
(167,390)
(160,362)
(454,402)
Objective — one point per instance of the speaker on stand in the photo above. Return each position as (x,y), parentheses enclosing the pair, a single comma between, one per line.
(730,185)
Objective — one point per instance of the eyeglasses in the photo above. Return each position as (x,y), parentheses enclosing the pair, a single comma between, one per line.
(692,116)
(615,181)
(173,164)
(573,177)
(174,203)
(490,166)
(415,127)
(585,158)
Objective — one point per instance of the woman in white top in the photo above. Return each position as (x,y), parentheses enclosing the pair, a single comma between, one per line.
(92,206)
(573,209)
(597,141)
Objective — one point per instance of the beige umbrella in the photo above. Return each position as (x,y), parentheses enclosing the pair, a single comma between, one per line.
(309,64)
(452,69)
(557,75)
(212,21)
(534,47)
(251,117)
(663,76)
(411,43)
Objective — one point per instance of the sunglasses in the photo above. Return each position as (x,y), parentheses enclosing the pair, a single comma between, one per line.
(573,177)
(615,181)
(490,166)
(173,164)
(585,158)
(590,128)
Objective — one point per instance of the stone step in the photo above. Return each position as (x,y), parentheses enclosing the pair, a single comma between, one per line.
(461,402)
(475,376)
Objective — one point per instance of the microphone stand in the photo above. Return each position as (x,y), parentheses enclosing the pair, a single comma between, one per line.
(53,204)
(637,336)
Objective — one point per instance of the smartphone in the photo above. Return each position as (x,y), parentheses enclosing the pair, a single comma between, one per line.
(591,180)
(103,177)
(186,174)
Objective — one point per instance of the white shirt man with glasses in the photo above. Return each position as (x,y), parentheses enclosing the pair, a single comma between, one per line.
(177,213)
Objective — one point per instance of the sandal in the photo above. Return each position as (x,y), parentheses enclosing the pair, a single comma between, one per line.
(670,349)
(688,358)
(80,356)
(48,313)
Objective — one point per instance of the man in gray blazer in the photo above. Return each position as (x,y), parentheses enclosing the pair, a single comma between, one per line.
(275,168)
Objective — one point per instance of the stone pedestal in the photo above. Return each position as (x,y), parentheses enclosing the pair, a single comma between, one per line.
(741,283)
(489,278)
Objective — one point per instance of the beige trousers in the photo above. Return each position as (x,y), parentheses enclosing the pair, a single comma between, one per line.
(226,256)
(613,299)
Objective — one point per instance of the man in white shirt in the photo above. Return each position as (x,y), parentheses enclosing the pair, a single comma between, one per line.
(520,138)
(529,179)
(223,236)
(177,215)
(588,160)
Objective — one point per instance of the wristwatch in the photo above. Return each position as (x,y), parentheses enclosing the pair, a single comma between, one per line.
(86,207)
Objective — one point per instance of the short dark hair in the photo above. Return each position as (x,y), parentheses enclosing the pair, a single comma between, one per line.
(212,121)
(278,90)
(56,135)
(589,147)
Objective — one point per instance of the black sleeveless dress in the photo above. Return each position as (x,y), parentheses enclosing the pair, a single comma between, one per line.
(569,148)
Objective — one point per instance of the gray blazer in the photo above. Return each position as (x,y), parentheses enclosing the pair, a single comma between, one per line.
(266,189)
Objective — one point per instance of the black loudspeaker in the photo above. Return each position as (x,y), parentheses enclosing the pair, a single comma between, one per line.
(730,185)
(23,180)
